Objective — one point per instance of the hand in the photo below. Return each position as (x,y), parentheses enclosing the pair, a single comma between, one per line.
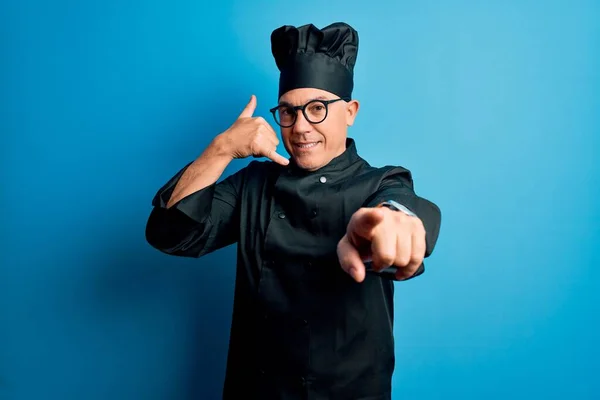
(252,136)
(385,237)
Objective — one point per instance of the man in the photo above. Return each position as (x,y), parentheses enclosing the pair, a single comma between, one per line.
(310,321)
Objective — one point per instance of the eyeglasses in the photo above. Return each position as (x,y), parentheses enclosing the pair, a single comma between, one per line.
(315,112)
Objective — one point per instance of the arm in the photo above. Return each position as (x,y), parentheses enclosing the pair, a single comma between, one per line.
(397,185)
(203,172)
(193,215)
(394,243)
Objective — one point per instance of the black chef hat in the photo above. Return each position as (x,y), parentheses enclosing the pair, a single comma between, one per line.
(308,57)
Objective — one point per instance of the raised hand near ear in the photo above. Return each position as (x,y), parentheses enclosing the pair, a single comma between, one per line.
(252,136)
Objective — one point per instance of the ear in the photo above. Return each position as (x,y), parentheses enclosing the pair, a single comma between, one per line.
(352,108)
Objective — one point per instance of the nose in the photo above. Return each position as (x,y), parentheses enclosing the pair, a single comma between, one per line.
(301,125)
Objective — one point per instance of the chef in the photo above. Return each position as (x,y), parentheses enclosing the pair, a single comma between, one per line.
(322,236)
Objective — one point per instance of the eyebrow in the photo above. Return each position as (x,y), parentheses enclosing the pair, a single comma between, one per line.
(285,103)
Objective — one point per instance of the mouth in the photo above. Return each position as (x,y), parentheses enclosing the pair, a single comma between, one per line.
(306,145)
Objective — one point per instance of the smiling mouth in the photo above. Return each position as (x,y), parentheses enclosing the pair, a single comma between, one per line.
(306,146)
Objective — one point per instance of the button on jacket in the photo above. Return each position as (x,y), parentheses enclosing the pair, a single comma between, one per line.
(301,328)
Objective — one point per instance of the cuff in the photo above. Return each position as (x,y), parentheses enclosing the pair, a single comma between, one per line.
(196,206)
(393,205)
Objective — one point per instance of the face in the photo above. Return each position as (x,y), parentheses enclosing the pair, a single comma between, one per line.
(314,145)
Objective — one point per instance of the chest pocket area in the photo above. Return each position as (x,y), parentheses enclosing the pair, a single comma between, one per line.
(337,205)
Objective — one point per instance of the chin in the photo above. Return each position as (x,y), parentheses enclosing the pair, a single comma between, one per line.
(308,163)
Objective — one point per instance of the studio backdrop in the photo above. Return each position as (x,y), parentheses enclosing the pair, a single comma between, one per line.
(493,106)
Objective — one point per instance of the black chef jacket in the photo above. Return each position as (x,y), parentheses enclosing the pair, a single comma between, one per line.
(302,328)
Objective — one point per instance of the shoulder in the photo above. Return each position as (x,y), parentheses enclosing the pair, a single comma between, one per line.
(387,174)
(257,172)
(259,168)
(262,167)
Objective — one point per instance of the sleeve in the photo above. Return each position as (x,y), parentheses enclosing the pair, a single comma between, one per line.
(397,184)
(198,224)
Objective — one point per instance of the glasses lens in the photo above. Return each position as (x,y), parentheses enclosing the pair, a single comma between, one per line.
(316,111)
(285,116)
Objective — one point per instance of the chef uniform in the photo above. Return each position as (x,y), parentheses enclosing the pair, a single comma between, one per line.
(302,328)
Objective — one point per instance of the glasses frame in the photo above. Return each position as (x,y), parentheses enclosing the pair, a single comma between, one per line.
(326,103)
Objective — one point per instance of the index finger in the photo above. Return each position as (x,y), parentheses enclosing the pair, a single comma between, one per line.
(364,221)
(350,260)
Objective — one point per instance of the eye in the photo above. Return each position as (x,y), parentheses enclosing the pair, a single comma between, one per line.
(318,107)
(286,111)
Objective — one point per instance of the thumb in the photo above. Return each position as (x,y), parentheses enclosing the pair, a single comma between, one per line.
(249,109)
(365,220)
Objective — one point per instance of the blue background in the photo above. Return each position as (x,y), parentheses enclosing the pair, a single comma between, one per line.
(493,107)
